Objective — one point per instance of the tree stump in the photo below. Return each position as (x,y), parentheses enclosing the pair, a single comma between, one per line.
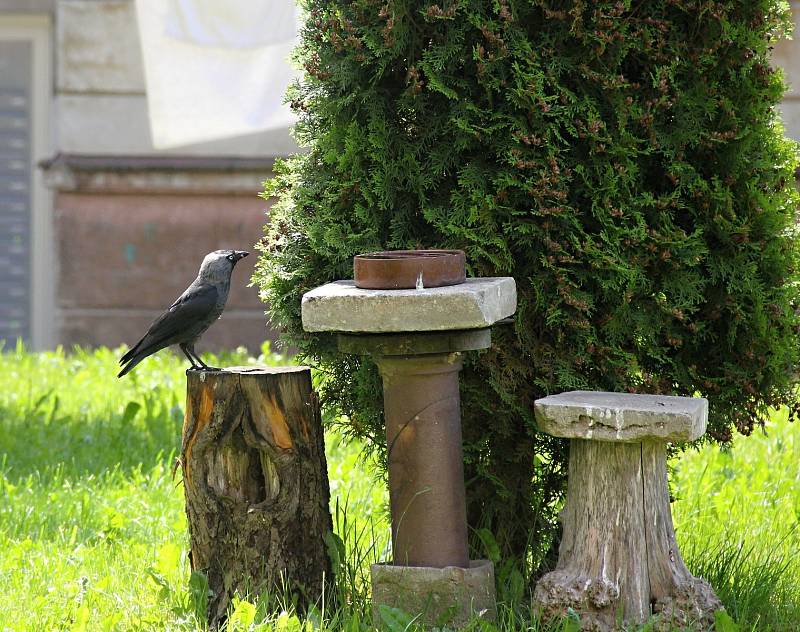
(256,483)
(618,561)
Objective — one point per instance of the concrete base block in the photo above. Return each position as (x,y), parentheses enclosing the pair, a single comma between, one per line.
(450,596)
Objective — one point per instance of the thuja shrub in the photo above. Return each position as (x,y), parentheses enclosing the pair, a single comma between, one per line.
(623,161)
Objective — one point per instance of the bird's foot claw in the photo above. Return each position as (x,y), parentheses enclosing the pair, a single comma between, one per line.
(210,368)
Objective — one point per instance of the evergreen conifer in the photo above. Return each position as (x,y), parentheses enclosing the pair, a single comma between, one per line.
(623,161)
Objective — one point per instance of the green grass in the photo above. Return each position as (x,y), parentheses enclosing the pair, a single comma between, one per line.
(93,533)
(738,518)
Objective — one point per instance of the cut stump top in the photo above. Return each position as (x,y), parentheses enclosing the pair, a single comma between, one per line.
(257,368)
(622,417)
(247,370)
(475,304)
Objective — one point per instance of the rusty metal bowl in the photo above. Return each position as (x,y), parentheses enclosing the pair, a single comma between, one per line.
(409,269)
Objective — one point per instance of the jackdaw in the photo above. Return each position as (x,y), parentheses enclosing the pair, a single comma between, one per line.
(194,312)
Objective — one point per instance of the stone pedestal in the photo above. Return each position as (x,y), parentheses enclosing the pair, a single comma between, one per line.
(449,596)
(618,559)
(417,338)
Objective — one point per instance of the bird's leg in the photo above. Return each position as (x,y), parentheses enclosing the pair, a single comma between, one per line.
(183,347)
(197,357)
(199,360)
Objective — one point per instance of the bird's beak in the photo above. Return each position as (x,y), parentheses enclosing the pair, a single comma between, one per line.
(240,254)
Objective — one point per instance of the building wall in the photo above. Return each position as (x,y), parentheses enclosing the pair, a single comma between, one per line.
(124,258)
(132,223)
(100,100)
(787,55)
(129,243)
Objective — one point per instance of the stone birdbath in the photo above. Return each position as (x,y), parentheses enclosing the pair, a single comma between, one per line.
(417,332)
(618,559)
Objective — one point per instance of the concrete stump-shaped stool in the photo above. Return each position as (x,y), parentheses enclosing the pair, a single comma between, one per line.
(618,561)
(417,338)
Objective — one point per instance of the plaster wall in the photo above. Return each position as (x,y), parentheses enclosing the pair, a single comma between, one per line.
(787,55)
(100,102)
(126,257)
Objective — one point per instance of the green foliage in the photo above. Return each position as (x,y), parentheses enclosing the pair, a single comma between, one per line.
(623,161)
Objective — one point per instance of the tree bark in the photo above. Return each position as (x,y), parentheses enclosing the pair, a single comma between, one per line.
(677,596)
(618,561)
(256,484)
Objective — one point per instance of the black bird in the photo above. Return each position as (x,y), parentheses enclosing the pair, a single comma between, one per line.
(194,312)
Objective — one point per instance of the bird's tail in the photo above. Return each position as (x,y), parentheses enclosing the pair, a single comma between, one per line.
(130,353)
(131,363)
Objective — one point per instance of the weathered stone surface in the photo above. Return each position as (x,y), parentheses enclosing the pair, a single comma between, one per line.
(145,250)
(475,304)
(174,175)
(98,47)
(622,416)
(449,596)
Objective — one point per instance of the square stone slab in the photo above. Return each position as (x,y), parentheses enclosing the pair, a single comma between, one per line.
(622,417)
(474,304)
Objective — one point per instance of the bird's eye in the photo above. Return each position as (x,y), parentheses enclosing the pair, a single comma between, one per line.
(230,257)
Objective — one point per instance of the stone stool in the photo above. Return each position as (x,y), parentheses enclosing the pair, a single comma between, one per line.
(618,559)
(417,338)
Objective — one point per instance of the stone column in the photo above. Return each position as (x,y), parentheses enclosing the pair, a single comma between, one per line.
(618,557)
(426,463)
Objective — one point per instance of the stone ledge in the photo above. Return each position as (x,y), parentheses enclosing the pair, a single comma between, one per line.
(192,175)
(474,304)
(622,417)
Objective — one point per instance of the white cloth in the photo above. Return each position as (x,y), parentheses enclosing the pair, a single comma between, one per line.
(231,23)
(216,69)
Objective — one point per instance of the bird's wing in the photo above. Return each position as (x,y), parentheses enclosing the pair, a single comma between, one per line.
(195,304)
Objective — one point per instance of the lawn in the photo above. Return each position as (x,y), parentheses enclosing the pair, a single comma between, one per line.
(93,533)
